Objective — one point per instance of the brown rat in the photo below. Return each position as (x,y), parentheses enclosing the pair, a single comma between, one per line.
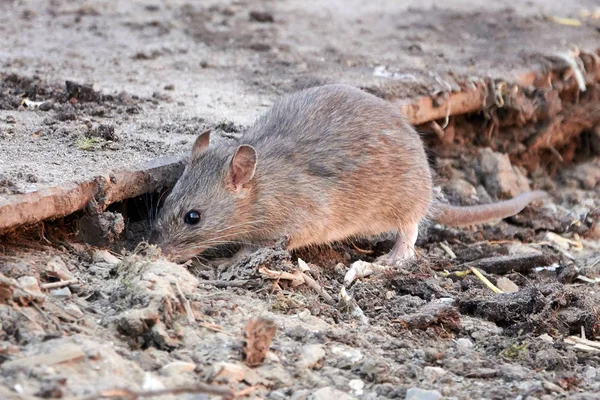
(322,165)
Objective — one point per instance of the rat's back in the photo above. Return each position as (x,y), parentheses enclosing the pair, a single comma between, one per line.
(334,161)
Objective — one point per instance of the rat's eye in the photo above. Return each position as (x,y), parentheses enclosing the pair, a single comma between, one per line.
(192,217)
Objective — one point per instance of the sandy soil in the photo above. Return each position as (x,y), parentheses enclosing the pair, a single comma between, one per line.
(81,321)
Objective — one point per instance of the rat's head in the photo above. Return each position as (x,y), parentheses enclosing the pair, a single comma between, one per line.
(210,204)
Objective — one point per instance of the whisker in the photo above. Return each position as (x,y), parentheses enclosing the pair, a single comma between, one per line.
(158,203)
(242,224)
(228,235)
(199,261)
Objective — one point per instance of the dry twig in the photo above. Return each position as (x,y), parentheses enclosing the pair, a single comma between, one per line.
(186,304)
(485,281)
(223,391)
(54,285)
(317,288)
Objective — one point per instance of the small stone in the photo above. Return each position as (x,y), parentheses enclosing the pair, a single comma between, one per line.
(74,310)
(29,283)
(352,355)
(546,338)
(105,256)
(278,395)
(30,291)
(61,292)
(513,372)
(485,373)
(464,344)
(330,393)
(177,368)
(56,268)
(553,387)
(500,178)
(340,269)
(106,132)
(432,374)
(461,189)
(232,372)
(357,386)
(590,373)
(422,394)
(66,113)
(45,106)
(519,249)
(260,46)
(587,174)
(101,229)
(261,16)
(49,121)
(302,394)
(152,383)
(506,285)
(312,357)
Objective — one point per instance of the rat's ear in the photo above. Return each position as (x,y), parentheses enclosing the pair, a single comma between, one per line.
(201,143)
(242,167)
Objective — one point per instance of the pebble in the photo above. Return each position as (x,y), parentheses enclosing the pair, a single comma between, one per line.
(352,355)
(74,310)
(506,285)
(513,372)
(357,386)
(29,283)
(302,394)
(422,394)
(433,373)
(61,292)
(312,355)
(232,372)
(330,393)
(177,367)
(463,189)
(546,338)
(464,344)
(553,387)
(499,176)
(57,268)
(105,256)
(152,383)
(590,373)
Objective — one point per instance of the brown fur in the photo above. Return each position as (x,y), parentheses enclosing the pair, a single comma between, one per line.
(332,162)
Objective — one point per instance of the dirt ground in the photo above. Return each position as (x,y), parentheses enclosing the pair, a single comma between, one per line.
(88,87)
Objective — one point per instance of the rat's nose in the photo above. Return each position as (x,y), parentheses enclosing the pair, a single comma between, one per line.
(164,249)
(153,237)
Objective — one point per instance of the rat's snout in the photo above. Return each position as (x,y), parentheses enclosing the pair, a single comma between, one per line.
(165,249)
(174,254)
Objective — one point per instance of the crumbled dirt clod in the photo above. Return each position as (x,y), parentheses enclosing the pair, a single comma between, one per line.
(258,336)
(101,229)
(84,93)
(106,132)
(261,16)
(499,177)
(432,315)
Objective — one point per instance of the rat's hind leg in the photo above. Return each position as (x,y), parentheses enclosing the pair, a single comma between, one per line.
(404,248)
